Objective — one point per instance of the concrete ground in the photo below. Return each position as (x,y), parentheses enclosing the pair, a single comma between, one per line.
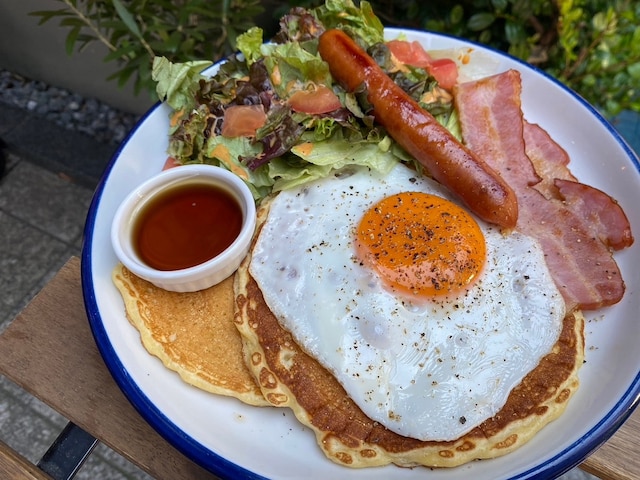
(45,192)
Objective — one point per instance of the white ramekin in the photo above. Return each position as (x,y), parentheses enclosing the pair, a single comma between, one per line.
(200,276)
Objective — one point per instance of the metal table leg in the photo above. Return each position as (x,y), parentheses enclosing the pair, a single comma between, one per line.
(67,454)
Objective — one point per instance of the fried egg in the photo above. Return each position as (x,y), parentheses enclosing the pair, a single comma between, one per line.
(427,316)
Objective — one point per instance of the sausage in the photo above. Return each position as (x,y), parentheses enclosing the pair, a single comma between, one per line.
(452,164)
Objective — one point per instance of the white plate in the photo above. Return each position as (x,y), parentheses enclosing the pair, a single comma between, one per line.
(234,440)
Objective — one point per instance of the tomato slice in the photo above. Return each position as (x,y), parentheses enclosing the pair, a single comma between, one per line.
(409,53)
(170,162)
(319,100)
(445,71)
(243,120)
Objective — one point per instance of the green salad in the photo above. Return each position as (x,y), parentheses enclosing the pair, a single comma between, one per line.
(295,123)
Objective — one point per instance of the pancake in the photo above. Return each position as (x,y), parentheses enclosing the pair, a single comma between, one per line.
(288,377)
(191,333)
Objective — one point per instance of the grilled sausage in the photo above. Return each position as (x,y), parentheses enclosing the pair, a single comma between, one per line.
(449,162)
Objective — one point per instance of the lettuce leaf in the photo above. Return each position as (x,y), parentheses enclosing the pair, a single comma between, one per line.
(177,83)
(293,66)
(228,152)
(359,22)
(250,43)
(318,160)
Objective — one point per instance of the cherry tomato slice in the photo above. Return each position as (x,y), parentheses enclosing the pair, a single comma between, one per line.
(316,101)
(243,120)
(445,71)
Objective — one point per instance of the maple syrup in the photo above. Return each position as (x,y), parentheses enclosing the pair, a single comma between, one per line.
(186,225)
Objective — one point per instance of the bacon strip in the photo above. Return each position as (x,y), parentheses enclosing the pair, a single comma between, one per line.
(606,219)
(579,260)
(603,214)
(549,159)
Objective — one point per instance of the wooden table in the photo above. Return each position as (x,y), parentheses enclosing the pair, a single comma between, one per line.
(51,338)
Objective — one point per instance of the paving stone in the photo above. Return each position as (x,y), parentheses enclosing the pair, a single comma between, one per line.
(27,256)
(24,427)
(106,464)
(55,206)
(11,160)
(10,119)
(31,403)
(73,154)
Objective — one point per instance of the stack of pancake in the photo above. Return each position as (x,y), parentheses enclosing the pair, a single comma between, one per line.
(226,340)
(191,333)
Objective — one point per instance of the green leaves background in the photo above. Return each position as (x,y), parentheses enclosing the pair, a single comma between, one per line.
(134,31)
(593,46)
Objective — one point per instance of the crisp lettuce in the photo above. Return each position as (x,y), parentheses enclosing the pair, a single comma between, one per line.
(229,152)
(304,26)
(188,135)
(322,158)
(250,43)
(177,83)
(291,66)
(360,22)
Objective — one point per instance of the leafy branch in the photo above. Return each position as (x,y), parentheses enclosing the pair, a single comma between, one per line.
(134,31)
(72,37)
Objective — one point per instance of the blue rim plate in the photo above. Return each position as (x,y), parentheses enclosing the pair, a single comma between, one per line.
(234,440)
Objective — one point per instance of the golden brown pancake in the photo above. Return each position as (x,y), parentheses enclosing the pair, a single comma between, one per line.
(191,333)
(290,378)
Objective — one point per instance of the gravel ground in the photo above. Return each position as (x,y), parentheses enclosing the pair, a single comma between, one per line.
(65,108)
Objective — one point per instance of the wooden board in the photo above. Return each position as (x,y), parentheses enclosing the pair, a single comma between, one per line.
(619,458)
(50,352)
(14,466)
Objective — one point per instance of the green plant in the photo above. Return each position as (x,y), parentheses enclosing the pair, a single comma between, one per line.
(599,52)
(134,31)
(592,46)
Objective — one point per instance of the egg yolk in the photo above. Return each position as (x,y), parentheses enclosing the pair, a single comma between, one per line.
(421,244)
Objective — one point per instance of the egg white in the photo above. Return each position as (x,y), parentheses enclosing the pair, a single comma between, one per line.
(430,369)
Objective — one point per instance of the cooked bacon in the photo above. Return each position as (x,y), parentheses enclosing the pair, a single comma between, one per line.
(578,257)
(549,159)
(603,214)
(606,218)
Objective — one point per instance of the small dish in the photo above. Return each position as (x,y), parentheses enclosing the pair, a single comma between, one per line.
(152,259)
